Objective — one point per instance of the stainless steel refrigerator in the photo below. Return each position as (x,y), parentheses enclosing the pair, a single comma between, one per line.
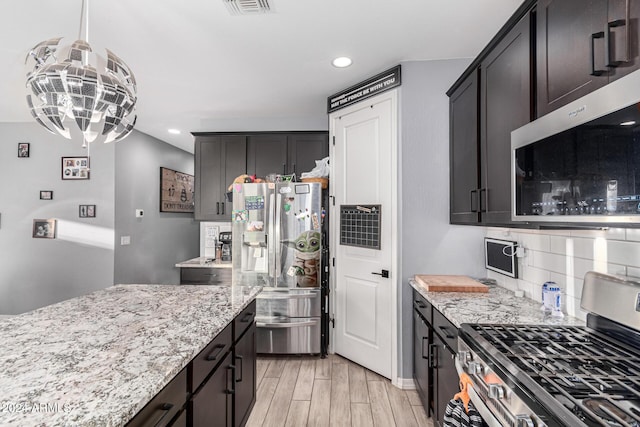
(277,243)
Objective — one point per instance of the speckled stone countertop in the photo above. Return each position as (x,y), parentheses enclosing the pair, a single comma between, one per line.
(96,360)
(202,262)
(498,306)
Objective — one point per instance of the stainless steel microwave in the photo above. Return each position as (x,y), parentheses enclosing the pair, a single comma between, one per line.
(581,162)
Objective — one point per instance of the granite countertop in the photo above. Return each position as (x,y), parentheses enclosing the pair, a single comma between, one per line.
(498,306)
(96,360)
(203,262)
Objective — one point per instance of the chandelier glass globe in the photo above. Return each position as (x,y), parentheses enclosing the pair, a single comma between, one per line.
(77,93)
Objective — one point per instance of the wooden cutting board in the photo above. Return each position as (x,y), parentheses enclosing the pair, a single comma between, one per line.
(450,283)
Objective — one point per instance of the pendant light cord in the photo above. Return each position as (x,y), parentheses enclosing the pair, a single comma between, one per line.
(84,17)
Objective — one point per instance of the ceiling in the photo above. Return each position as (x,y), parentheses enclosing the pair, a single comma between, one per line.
(199,68)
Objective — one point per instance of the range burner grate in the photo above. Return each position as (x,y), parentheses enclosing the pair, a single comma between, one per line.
(593,376)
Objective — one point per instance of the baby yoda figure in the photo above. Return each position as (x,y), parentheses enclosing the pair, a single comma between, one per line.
(307,258)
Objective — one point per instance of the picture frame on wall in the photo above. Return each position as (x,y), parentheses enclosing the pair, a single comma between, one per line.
(87,211)
(46,195)
(44,228)
(23,149)
(176,191)
(75,168)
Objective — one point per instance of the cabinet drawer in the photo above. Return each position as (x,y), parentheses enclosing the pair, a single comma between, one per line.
(244,320)
(211,356)
(422,306)
(446,330)
(205,276)
(165,405)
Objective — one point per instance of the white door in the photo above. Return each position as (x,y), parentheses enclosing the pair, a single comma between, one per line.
(363,175)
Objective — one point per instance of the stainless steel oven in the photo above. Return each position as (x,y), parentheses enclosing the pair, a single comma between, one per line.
(560,375)
(581,162)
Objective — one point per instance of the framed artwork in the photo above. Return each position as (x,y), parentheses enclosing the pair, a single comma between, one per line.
(46,195)
(44,228)
(23,149)
(75,168)
(87,211)
(176,191)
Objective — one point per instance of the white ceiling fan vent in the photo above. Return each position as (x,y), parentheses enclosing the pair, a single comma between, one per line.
(247,7)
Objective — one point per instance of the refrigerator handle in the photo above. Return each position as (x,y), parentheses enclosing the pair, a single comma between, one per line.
(277,244)
(271,241)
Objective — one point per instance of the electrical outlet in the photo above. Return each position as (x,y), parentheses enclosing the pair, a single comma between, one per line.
(520,252)
(139,213)
(125,240)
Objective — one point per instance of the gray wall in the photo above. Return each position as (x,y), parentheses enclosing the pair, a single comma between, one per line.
(429,244)
(158,240)
(38,272)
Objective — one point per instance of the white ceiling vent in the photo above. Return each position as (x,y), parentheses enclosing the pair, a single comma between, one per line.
(247,7)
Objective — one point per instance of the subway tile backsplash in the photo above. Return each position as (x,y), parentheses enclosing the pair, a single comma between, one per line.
(564,256)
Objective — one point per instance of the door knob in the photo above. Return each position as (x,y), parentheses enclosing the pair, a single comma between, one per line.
(384,273)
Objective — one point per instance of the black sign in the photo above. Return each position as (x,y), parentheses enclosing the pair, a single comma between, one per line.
(373,86)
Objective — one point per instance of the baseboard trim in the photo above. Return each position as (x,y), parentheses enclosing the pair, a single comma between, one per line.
(406,384)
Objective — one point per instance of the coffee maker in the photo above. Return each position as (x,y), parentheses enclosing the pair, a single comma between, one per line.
(225,240)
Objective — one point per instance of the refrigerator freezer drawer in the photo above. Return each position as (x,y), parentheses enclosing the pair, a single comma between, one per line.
(289,303)
(288,336)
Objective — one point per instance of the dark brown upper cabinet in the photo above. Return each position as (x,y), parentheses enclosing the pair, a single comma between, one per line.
(581,46)
(464,152)
(483,112)
(505,105)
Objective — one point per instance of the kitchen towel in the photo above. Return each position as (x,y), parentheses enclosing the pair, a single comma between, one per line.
(455,415)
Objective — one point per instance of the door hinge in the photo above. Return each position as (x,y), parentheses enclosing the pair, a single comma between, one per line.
(333,261)
(333,322)
(333,200)
(334,140)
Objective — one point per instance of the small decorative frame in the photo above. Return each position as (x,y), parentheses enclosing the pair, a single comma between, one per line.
(87,211)
(74,168)
(23,149)
(44,228)
(46,195)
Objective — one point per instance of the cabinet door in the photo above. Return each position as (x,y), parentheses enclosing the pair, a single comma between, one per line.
(421,369)
(624,33)
(234,164)
(267,154)
(445,377)
(569,34)
(304,149)
(505,96)
(208,193)
(245,380)
(213,404)
(463,152)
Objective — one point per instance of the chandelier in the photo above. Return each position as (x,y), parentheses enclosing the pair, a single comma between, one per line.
(77,93)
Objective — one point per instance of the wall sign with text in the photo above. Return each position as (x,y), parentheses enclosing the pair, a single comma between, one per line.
(368,88)
(176,191)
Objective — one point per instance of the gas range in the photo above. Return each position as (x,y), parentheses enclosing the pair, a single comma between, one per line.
(546,375)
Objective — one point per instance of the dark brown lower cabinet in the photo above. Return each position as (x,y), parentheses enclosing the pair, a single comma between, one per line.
(212,405)
(434,351)
(445,377)
(245,379)
(217,388)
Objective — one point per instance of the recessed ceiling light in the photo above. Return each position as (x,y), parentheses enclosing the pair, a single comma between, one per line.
(629,123)
(174,131)
(342,62)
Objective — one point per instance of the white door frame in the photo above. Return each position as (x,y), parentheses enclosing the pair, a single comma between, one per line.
(391,95)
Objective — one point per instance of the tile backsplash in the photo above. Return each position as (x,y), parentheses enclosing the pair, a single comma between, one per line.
(564,256)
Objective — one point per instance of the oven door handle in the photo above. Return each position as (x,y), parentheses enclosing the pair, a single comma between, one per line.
(480,406)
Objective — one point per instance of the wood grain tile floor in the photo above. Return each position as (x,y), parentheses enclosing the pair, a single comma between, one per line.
(302,391)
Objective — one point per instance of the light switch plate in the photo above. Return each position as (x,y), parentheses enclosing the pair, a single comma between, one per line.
(125,240)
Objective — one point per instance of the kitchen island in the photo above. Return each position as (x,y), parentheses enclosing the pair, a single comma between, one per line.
(98,359)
